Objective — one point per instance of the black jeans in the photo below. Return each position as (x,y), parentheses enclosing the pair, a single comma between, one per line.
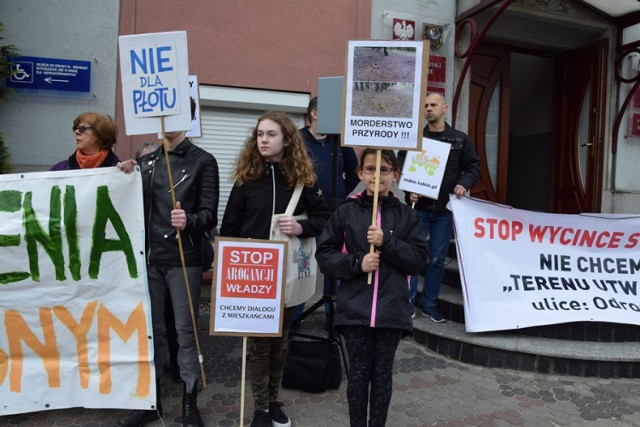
(371,352)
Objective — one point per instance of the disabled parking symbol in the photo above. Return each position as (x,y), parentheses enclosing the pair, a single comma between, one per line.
(22,72)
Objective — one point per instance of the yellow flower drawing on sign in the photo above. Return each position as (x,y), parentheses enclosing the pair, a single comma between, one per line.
(422,160)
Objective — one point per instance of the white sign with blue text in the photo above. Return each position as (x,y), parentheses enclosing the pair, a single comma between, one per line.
(155,82)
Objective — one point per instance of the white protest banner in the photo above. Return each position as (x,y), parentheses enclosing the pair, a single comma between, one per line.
(155,82)
(248,292)
(75,318)
(384,91)
(423,170)
(522,268)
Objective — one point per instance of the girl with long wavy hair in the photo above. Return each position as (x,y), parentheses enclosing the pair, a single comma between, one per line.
(272,162)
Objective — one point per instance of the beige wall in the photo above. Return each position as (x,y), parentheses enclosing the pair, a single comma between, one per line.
(276,44)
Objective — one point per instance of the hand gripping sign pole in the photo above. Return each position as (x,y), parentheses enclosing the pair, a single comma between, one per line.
(374,121)
(374,212)
(155,84)
(181,250)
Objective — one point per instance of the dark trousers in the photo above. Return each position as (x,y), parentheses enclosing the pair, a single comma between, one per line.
(266,359)
(163,280)
(438,226)
(371,352)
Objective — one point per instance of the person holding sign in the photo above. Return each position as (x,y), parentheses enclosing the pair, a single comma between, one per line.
(320,148)
(272,162)
(196,187)
(95,135)
(461,172)
(372,317)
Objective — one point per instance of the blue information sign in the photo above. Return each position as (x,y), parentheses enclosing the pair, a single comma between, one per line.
(32,72)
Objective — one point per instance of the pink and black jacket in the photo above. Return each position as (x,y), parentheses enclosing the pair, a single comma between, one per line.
(343,242)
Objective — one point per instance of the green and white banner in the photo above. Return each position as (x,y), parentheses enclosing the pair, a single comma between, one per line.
(75,318)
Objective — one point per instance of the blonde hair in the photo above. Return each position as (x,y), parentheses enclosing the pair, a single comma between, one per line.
(296,165)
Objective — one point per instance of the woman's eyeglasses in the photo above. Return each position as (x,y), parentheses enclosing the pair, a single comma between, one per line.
(81,129)
(384,170)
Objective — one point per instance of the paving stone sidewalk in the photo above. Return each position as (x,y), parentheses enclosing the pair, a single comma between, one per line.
(429,390)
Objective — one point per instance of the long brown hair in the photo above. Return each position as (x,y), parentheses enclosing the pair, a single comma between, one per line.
(296,165)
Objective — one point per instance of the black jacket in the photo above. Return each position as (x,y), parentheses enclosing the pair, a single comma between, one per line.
(321,151)
(248,211)
(196,187)
(343,243)
(463,167)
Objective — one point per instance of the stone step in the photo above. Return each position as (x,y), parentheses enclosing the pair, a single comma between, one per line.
(559,353)
(544,355)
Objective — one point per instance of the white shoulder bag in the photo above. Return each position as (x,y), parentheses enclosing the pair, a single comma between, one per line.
(301,257)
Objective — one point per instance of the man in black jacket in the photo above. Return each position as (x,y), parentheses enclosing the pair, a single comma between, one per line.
(461,173)
(196,187)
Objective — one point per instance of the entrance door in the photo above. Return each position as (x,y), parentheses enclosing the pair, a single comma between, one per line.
(579,129)
(489,120)
(576,131)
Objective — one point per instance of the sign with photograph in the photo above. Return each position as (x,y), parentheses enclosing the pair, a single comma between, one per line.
(155,82)
(248,287)
(384,92)
(539,268)
(423,170)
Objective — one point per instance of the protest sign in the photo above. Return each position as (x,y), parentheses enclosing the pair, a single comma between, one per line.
(422,171)
(155,82)
(248,287)
(522,268)
(196,124)
(384,92)
(75,318)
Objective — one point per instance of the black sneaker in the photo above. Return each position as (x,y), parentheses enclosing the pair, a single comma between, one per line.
(278,417)
(434,314)
(261,419)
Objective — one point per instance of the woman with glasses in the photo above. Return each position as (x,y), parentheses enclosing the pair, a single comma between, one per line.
(95,136)
(372,316)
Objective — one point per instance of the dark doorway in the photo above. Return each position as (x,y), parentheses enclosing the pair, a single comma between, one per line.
(538,147)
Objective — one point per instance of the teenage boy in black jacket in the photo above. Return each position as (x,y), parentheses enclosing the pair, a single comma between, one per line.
(196,187)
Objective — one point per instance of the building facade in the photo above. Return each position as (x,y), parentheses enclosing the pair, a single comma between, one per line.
(545,89)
